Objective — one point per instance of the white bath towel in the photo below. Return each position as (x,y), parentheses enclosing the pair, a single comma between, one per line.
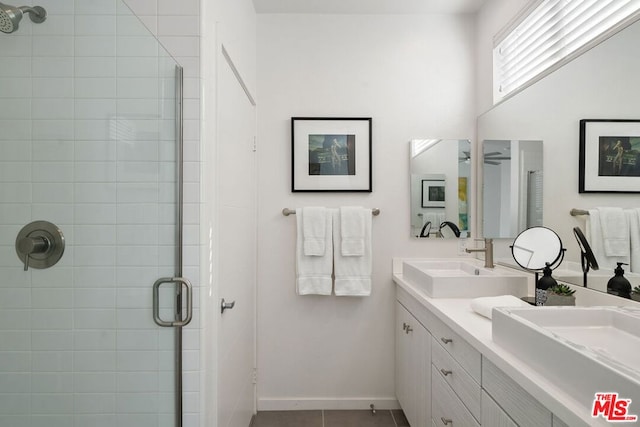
(352,220)
(352,273)
(615,232)
(633,215)
(314,229)
(596,241)
(485,305)
(436,219)
(313,273)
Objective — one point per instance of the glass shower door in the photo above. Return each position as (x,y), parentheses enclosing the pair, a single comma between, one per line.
(88,143)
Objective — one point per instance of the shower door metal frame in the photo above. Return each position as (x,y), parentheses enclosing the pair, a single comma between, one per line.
(179,240)
(180,282)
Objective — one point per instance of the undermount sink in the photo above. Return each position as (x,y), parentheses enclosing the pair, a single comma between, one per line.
(453,278)
(587,350)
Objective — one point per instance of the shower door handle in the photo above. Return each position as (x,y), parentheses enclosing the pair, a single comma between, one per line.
(156,301)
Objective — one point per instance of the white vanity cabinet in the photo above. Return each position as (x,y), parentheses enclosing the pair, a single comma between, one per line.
(443,381)
(413,364)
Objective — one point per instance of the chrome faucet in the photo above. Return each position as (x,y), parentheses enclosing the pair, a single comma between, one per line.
(488,252)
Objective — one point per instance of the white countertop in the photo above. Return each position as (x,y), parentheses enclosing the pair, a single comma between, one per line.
(476,330)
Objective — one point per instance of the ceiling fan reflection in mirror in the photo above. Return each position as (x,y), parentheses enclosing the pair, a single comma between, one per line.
(493,158)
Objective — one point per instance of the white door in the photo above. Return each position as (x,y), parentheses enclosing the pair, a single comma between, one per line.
(236,212)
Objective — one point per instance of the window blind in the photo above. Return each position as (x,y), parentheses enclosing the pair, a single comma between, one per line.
(553,33)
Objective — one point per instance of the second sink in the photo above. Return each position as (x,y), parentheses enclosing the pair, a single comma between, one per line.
(589,350)
(453,278)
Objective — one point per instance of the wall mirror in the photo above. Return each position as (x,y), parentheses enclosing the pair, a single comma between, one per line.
(440,174)
(550,110)
(512,192)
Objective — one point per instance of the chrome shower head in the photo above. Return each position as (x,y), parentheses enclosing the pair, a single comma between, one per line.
(10,16)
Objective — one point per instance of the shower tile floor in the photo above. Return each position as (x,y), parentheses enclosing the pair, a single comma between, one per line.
(382,418)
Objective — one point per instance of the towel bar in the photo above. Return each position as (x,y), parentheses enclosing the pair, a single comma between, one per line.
(287,211)
(576,212)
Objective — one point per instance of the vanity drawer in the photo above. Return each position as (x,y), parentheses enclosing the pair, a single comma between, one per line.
(467,389)
(446,408)
(467,356)
(523,408)
(493,415)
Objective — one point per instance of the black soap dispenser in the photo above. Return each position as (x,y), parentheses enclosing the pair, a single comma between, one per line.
(544,283)
(618,284)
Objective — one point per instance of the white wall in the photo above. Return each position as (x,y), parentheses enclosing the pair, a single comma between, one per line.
(414,75)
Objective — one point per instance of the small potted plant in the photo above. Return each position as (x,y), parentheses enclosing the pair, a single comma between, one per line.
(561,295)
(635,293)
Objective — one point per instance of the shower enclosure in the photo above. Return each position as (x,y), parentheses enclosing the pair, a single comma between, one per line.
(89,142)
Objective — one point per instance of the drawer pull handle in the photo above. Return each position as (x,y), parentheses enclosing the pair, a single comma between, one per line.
(409,329)
(404,326)
(446,372)
(446,421)
(446,340)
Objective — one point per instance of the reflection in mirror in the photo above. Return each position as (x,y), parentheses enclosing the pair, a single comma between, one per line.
(440,173)
(511,187)
(587,259)
(551,110)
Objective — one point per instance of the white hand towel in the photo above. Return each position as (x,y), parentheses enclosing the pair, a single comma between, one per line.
(615,231)
(633,215)
(352,225)
(314,228)
(596,241)
(485,305)
(432,218)
(352,274)
(313,273)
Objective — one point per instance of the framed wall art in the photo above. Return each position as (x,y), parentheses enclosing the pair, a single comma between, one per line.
(433,191)
(331,154)
(609,156)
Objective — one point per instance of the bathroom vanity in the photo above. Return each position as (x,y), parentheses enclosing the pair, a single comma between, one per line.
(450,372)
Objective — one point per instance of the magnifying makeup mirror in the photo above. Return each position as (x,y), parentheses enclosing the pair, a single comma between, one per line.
(536,247)
(539,249)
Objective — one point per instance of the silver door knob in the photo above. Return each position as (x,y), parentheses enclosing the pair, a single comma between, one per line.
(226,305)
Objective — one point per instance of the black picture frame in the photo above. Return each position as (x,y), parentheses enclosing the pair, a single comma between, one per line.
(433,193)
(609,159)
(331,154)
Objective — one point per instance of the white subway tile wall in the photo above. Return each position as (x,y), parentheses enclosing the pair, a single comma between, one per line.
(87,142)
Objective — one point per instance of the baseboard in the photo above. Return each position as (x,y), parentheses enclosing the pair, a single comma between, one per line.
(265,404)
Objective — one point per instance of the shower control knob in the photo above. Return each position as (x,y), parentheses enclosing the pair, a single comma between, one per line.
(40,244)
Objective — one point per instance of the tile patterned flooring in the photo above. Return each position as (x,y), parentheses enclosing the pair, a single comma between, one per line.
(382,418)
